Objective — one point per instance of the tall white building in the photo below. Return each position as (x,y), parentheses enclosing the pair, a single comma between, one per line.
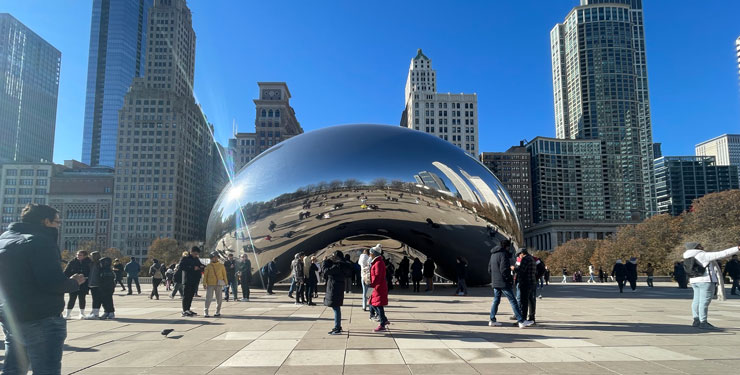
(452,117)
(243,148)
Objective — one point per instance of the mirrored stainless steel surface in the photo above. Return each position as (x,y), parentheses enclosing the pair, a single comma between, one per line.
(326,185)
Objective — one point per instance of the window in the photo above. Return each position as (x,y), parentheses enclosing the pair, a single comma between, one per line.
(41,182)
(11,181)
(42,173)
(11,172)
(27,172)
(10,191)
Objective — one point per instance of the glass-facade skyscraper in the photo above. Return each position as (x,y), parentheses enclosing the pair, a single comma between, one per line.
(117,54)
(601,93)
(29,85)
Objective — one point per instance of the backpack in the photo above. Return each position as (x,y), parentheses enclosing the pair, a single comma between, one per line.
(693,267)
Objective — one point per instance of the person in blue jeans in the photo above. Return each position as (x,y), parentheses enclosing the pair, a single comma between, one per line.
(132,271)
(33,286)
(703,276)
(502,282)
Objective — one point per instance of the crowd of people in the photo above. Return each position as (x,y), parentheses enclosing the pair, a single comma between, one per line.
(32,312)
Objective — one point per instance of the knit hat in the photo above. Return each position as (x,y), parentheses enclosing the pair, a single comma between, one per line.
(691,245)
(521,250)
(376,250)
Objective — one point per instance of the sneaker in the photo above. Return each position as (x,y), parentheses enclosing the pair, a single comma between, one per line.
(192,313)
(695,323)
(525,324)
(379,328)
(512,317)
(186,314)
(492,323)
(336,331)
(216,315)
(706,325)
(111,316)
(311,304)
(206,315)
(290,295)
(68,314)
(104,316)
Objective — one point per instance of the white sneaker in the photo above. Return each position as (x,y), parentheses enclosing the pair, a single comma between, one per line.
(68,314)
(525,324)
(491,323)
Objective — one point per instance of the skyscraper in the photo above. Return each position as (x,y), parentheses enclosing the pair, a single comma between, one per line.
(117,54)
(513,168)
(29,84)
(601,93)
(275,120)
(452,117)
(164,161)
(725,148)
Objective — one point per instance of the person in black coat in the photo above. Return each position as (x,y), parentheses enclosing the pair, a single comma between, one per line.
(429,274)
(620,274)
(118,272)
(403,272)
(631,272)
(230,266)
(461,269)
(335,270)
(81,264)
(191,268)
(269,272)
(416,274)
(313,281)
(245,276)
(502,281)
(33,286)
(679,274)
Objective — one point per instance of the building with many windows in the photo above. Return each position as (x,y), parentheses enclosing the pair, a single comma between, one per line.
(725,149)
(513,169)
(117,54)
(242,149)
(164,153)
(29,85)
(275,119)
(83,195)
(21,184)
(601,93)
(681,179)
(452,117)
(568,192)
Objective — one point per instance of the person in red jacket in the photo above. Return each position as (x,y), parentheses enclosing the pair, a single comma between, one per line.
(379,298)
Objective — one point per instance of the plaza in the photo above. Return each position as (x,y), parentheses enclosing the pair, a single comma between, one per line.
(582,328)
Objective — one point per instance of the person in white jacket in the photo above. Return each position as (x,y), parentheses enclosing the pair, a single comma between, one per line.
(364,262)
(704,285)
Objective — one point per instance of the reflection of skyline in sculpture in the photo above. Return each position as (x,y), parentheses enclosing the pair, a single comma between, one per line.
(334,183)
(432,180)
(462,188)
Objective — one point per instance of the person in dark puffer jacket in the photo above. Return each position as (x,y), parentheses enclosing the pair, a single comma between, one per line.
(32,286)
(502,281)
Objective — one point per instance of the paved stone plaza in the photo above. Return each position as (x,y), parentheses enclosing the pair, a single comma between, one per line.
(582,329)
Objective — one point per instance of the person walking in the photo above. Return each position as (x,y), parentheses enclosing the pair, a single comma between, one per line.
(269,272)
(95,282)
(214,280)
(244,273)
(191,269)
(526,276)
(334,272)
(591,274)
(502,281)
(619,273)
(81,264)
(118,271)
(230,266)
(547,275)
(732,268)
(703,271)
(33,285)
(565,276)
(169,276)
(416,274)
(178,277)
(649,273)
(155,271)
(461,269)
(364,262)
(292,276)
(602,275)
(379,283)
(299,278)
(631,269)
(132,272)
(429,274)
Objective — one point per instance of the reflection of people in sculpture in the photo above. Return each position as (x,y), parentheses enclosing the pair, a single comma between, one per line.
(272,226)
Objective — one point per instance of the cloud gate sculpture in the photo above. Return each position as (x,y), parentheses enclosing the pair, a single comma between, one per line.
(327,185)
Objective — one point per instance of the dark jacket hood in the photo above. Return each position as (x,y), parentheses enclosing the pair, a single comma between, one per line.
(29,228)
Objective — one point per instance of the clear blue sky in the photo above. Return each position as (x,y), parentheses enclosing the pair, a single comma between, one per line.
(346,62)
